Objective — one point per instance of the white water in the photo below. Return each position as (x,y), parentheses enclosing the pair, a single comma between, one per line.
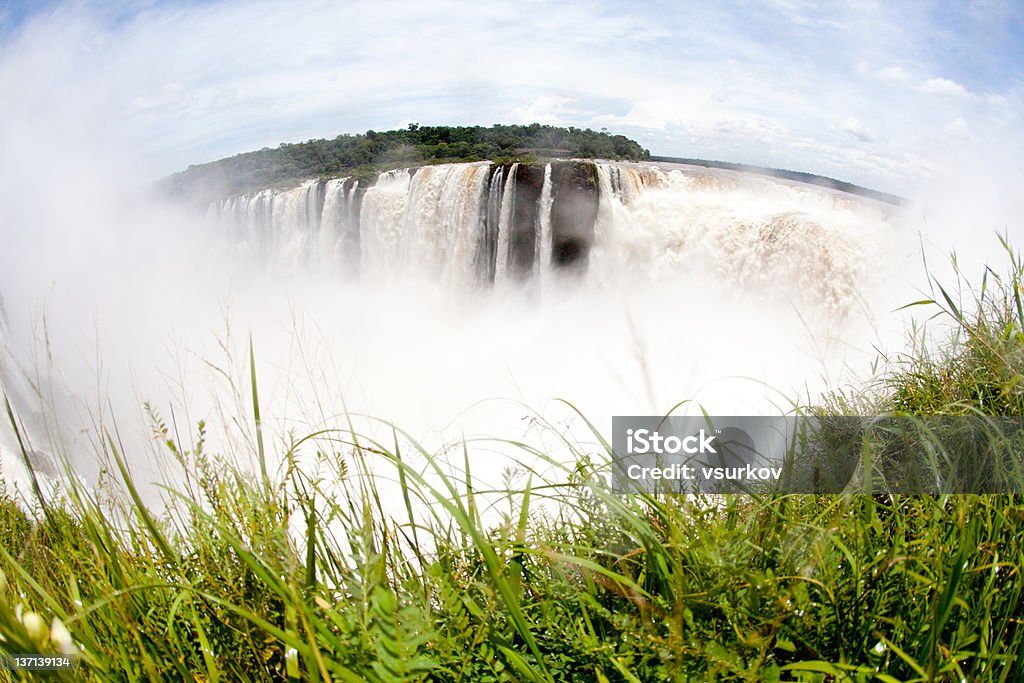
(337,226)
(383,223)
(542,262)
(504,222)
(733,291)
(747,236)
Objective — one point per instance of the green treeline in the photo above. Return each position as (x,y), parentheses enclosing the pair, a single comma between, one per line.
(372,150)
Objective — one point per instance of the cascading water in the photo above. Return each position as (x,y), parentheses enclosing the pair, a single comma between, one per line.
(621,287)
(467,223)
(488,245)
(339,226)
(542,257)
(755,234)
(508,200)
(382,223)
(295,220)
(431,222)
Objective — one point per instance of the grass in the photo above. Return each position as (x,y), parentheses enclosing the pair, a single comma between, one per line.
(295,575)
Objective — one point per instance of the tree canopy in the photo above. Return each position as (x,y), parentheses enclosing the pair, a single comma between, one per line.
(415,145)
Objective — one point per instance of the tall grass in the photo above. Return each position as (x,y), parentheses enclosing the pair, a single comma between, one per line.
(978,367)
(291,575)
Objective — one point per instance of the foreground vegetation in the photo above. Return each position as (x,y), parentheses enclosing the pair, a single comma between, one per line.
(283,576)
(372,151)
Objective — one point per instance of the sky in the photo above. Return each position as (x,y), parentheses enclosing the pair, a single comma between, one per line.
(888,95)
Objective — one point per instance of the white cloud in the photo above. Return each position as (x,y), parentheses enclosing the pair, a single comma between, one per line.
(644,115)
(896,74)
(171,86)
(929,86)
(958,130)
(752,126)
(998,101)
(943,86)
(546,109)
(858,130)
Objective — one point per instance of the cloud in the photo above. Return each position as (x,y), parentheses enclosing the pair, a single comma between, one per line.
(546,109)
(957,130)
(648,114)
(174,84)
(895,74)
(858,130)
(943,86)
(929,86)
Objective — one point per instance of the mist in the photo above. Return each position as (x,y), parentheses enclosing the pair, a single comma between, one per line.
(158,306)
(115,298)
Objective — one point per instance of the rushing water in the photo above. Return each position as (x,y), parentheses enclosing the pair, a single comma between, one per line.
(455,223)
(414,296)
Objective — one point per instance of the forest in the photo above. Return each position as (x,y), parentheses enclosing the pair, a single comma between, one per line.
(372,151)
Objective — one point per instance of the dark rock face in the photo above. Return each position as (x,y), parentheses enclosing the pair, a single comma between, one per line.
(573,213)
(524,231)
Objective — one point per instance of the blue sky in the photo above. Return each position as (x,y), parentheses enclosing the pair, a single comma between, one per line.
(881,93)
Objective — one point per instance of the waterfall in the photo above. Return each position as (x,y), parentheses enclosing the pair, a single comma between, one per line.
(508,202)
(295,220)
(464,210)
(476,223)
(339,226)
(487,249)
(257,215)
(431,221)
(542,258)
(628,286)
(442,218)
(381,222)
(753,233)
